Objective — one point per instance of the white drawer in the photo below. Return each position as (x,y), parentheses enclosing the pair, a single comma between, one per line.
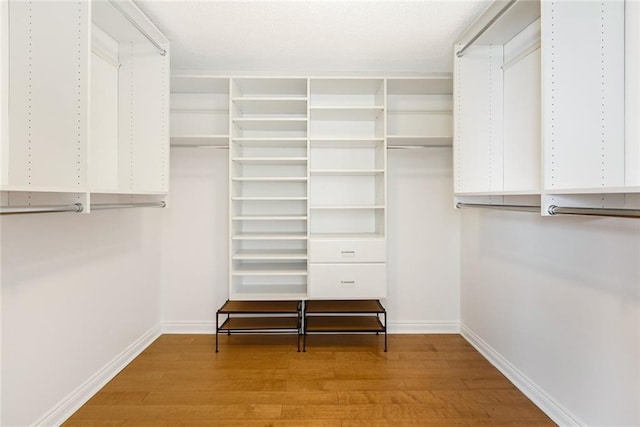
(347,281)
(349,251)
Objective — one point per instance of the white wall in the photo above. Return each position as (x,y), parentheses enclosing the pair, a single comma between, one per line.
(559,300)
(77,291)
(423,241)
(195,240)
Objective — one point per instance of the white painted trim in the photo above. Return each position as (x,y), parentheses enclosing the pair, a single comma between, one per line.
(186,327)
(558,413)
(423,327)
(411,327)
(70,404)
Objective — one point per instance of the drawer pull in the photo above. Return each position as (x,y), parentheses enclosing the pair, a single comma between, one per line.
(348,253)
(348,283)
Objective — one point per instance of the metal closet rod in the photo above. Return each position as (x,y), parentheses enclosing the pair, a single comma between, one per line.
(76,207)
(521,208)
(121,11)
(621,213)
(103,206)
(485,28)
(8,210)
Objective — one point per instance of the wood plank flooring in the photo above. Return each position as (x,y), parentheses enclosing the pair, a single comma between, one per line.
(344,380)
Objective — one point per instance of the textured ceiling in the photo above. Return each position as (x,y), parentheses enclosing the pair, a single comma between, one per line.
(312,36)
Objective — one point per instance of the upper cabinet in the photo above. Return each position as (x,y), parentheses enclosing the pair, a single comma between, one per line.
(540,108)
(87,109)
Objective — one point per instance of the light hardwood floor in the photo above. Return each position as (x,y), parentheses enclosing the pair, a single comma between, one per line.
(340,381)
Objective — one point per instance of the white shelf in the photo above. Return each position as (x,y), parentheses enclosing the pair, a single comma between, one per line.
(346,113)
(271,124)
(346,85)
(271,106)
(419,141)
(200,141)
(270,236)
(347,207)
(270,218)
(346,172)
(271,142)
(596,190)
(271,160)
(498,193)
(271,199)
(521,14)
(270,254)
(269,87)
(275,269)
(199,111)
(270,292)
(342,236)
(270,179)
(38,189)
(346,142)
(141,192)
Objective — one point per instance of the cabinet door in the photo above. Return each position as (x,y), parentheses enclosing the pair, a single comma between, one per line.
(348,281)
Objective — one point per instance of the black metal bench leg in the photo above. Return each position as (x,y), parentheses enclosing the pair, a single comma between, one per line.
(385,332)
(217,314)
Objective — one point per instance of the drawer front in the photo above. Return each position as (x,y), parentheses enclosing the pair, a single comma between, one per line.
(347,281)
(348,251)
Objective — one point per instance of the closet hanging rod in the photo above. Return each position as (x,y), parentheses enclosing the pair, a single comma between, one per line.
(125,15)
(621,213)
(519,208)
(103,206)
(484,29)
(8,210)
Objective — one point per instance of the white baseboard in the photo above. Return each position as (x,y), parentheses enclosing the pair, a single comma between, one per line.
(422,327)
(70,404)
(537,395)
(193,327)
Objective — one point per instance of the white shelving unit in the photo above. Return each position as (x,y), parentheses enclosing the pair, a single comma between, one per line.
(347,185)
(95,121)
(308,162)
(129,100)
(587,153)
(498,105)
(540,106)
(269,180)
